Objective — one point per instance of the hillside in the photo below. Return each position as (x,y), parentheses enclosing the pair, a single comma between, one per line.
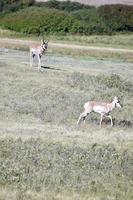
(99,2)
(43,154)
(48,20)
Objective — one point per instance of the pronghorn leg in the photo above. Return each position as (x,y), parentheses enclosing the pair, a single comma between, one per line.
(84,119)
(111,120)
(101,119)
(82,116)
(39,62)
(31,59)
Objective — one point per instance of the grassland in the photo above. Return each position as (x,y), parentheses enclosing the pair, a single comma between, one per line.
(118,47)
(116,41)
(43,154)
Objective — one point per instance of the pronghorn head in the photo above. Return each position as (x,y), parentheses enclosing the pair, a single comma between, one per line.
(117,102)
(44,44)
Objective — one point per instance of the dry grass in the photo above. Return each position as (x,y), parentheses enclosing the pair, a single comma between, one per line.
(44,155)
(95,49)
(36,168)
(102,54)
(51,100)
(123,41)
(7,194)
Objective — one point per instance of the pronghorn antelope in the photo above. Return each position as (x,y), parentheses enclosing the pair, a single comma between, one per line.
(102,108)
(38,50)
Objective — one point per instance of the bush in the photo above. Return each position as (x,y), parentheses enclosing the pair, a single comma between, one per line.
(39,20)
(13,5)
(63,5)
(86,20)
(116,18)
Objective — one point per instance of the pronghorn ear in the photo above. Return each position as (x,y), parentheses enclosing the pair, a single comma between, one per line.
(115,98)
(46,42)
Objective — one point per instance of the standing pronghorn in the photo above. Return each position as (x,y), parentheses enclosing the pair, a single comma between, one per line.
(102,108)
(38,50)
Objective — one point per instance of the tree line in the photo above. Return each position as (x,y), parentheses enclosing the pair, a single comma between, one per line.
(30,17)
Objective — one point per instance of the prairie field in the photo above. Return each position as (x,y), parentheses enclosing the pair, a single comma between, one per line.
(44,155)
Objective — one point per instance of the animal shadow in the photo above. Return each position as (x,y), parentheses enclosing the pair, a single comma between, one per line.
(49,68)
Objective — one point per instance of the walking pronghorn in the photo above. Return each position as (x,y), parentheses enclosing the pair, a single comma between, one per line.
(99,107)
(38,50)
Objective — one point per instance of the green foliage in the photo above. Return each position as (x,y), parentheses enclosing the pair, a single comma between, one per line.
(63,5)
(116,18)
(39,20)
(67,17)
(107,19)
(91,18)
(13,5)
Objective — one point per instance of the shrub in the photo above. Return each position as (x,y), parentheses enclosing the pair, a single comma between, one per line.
(116,18)
(63,5)
(39,20)
(86,20)
(13,5)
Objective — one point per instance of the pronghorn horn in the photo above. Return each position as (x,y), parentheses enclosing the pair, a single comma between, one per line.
(43,41)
